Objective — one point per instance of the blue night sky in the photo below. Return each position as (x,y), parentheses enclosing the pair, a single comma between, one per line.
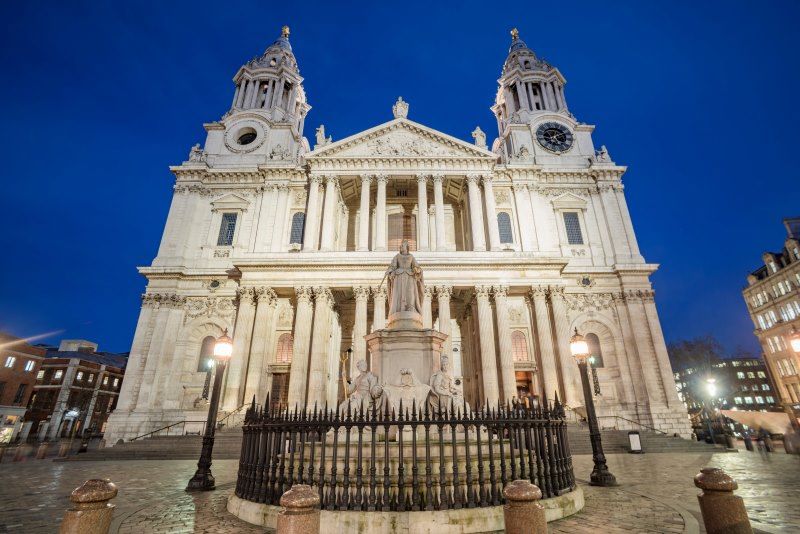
(699,99)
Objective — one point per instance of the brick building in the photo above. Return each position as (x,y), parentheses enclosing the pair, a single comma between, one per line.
(76,388)
(19,364)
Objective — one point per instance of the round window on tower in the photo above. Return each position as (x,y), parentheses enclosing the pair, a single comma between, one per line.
(246,136)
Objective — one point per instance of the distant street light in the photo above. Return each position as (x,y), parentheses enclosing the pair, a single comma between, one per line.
(794,340)
(203,480)
(600,476)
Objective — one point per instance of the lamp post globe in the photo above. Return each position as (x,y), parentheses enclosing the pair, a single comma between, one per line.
(794,341)
(203,480)
(600,476)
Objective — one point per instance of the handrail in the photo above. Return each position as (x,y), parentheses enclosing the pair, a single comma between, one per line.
(166,428)
(640,424)
(237,410)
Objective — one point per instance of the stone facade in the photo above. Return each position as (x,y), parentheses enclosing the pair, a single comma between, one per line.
(285,246)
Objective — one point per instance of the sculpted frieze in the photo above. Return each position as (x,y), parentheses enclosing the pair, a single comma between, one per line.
(584,302)
(209,307)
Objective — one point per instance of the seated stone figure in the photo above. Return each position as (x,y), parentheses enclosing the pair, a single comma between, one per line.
(445,394)
(359,391)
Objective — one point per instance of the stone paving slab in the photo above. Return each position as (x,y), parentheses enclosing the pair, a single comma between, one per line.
(656,494)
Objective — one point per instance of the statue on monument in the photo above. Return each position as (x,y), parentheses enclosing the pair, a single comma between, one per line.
(358,394)
(444,393)
(406,287)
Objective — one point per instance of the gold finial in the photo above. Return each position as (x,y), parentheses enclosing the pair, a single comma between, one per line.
(285,32)
(514,34)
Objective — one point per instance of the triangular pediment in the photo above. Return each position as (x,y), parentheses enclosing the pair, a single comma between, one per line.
(230,201)
(569,201)
(400,138)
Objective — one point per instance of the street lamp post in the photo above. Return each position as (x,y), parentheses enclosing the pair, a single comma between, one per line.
(711,388)
(600,476)
(203,480)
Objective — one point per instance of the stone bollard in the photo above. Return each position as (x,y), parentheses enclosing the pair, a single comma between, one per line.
(301,511)
(63,449)
(41,452)
(723,512)
(91,512)
(522,514)
(22,452)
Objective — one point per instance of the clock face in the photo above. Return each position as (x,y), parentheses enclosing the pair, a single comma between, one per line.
(554,137)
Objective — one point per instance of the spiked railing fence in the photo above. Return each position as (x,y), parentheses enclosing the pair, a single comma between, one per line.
(429,461)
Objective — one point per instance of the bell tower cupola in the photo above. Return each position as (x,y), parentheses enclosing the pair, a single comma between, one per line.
(528,86)
(271,83)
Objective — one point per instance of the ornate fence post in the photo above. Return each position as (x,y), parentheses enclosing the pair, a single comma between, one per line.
(301,514)
(522,514)
(723,512)
(91,512)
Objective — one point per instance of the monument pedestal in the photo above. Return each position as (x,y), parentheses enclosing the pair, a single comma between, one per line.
(394,349)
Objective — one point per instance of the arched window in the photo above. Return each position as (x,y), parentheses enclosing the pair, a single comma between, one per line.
(298,224)
(504,227)
(519,346)
(285,347)
(206,354)
(594,349)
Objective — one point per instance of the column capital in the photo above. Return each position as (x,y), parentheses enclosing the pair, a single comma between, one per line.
(282,187)
(519,188)
(437,178)
(366,178)
(265,295)
(422,178)
(539,292)
(361,293)
(316,179)
(500,291)
(323,295)
(473,178)
(429,291)
(483,292)
(444,291)
(486,178)
(379,293)
(332,179)
(304,293)
(246,295)
(382,178)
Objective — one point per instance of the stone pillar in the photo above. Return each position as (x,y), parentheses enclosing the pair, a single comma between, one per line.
(522,513)
(491,389)
(240,90)
(380,213)
(311,231)
(422,212)
(265,309)
(626,221)
(301,513)
(722,511)
(427,313)
(328,219)
(491,213)
(438,199)
(550,384)
(242,334)
(361,295)
(527,228)
(660,347)
(320,337)
(129,393)
(91,513)
(281,218)
(379,308)
(363,214)
(630,365)
(545,97)
(443,294)
(507,375)
(476,213)
(268,96)
(569,369)
(298,373)
(644,346)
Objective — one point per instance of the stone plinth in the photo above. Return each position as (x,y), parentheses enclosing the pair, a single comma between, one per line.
(400,348)
(404,320)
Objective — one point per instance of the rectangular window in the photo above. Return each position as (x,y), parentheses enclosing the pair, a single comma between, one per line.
(29,365)
(762,374)
(760,400)
(105,380)
(740,374)
(770,399)
(764,387)
(20,393)
(116,382)
(10,361)
(91,378)
(737,400)
(79,376)
(748,400)
(226,229)
(40,375)
(751,374)
(573,227)
(58,374)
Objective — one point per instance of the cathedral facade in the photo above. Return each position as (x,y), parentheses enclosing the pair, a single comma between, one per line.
(284,245)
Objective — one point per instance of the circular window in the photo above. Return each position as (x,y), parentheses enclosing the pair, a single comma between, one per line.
(246,136)
(214,284)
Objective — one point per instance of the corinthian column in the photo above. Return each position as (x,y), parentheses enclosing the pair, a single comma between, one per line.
(318,368)
(241,349)
(262,328)
(569,369)
(422,212)
(504,340)
(281,217)
(312,214)
(438,199)
(380,213)
(491,213)
(491,390)
(329,220)
(363,214)
(302,342)
(427,313)
(550,385)
(475,213)
(379,308)
(527,228)
(361,295)
(443,294)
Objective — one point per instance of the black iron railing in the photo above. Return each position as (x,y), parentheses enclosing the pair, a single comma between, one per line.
(407,460)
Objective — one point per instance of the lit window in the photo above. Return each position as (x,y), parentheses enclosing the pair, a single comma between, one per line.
(116,382)
(206,354)
(761,374)
(285,347)
(504,227)
(40,375)
(751,374)
(58,374)
(770,399)
(91,378)
(298,225)
(29,365)
(10,361)
(737,400)
(79,376)
(573,227)
(519,346)
(760,400)
(764,387)
(226,230)
(748,400)
(740,375)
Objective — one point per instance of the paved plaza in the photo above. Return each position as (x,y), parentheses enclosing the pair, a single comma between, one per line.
(656,494)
